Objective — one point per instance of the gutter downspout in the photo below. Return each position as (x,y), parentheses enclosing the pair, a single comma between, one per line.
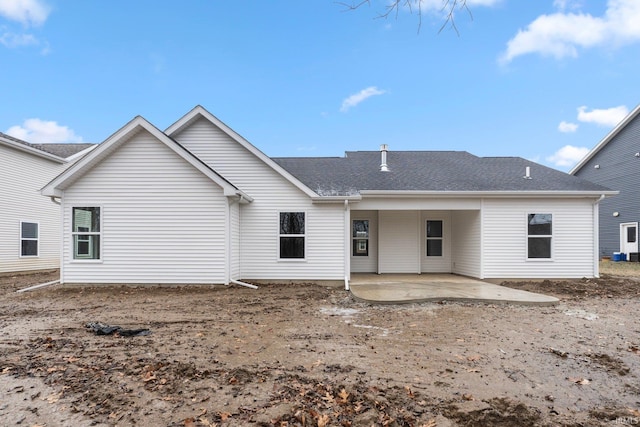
(228,278)
(61,281)
(596,236)
(347,264)
(41,285)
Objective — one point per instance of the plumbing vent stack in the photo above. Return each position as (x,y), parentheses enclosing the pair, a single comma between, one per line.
(383,158)
(527,173)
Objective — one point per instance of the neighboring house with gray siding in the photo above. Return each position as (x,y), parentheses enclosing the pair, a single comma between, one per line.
(29,223)
(197,203)
(615,163)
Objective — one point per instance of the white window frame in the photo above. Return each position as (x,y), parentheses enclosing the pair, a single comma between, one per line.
(361,239)
(303,235)
(37,240)
(74,253)
(533,236)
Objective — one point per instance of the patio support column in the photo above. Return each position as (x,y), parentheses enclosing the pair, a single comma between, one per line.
(347,241)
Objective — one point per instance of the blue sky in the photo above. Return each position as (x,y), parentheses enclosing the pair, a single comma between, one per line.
(545,80)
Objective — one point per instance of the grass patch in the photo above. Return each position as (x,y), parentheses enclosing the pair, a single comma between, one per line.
(622,268)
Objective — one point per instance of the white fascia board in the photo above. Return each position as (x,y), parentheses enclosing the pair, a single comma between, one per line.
(485,194)
(199,111)
(31,150)
(616,130)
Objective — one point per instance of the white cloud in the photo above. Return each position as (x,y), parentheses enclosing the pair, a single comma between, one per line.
(561,34)
(38,131)
(603,117)
(27,12)
(12,40)
(357,98)
(566,127)
(568,155)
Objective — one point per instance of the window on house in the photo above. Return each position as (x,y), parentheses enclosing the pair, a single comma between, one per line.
(360,237)
(29,235)
(86,233)
(434,237)
(292,235)
(631,234)
(539,234)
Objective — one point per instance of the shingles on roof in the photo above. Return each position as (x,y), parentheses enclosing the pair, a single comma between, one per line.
(455,171)
(60,150)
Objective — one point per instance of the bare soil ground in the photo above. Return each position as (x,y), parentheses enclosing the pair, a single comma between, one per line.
(290,355)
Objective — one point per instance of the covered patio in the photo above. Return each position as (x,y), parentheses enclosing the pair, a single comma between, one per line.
(413,288)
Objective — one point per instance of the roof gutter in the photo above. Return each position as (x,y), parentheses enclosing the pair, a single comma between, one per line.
(484,194)
(336,199)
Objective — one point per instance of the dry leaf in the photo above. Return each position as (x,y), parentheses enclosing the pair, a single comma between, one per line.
(468,397)
(53,398)
(474,358)
(189,422)
(581,381)
(430,423)
(323,420)
(148,376)
(343,395)
(224,416)
(409,391)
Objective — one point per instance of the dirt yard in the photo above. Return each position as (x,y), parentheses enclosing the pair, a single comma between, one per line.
(290,355)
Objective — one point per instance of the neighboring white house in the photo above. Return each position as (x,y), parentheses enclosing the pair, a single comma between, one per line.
(29,223)
(198,203)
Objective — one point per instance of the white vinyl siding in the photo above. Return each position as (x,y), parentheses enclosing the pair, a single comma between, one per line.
(22,176)
(162,220)
(399,242)
(272,193)
(466,241)
(436,264)
(366,264)
(505,238)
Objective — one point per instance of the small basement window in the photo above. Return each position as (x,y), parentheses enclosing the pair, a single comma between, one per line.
(539,235)
(86,233)
(292,235)
(29,239)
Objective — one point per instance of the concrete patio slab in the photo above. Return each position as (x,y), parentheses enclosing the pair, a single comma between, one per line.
(412,288)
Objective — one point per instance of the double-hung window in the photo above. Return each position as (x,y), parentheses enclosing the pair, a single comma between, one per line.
(360,237)
(86,233)
(539,235)
(29,237)
(292,235)
(434,238)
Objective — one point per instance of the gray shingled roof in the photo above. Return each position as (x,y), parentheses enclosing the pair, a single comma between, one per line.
(60,150)
(428,171)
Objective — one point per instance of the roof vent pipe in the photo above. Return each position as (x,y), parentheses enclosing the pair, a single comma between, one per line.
(527,172)
(383,158)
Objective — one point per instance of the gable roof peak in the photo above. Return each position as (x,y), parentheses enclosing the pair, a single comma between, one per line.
(610,136)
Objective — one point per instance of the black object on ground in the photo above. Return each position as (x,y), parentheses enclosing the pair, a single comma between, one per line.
(104,329)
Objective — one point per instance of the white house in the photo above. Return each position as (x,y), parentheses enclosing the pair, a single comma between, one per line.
(198,203)
(29,223)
